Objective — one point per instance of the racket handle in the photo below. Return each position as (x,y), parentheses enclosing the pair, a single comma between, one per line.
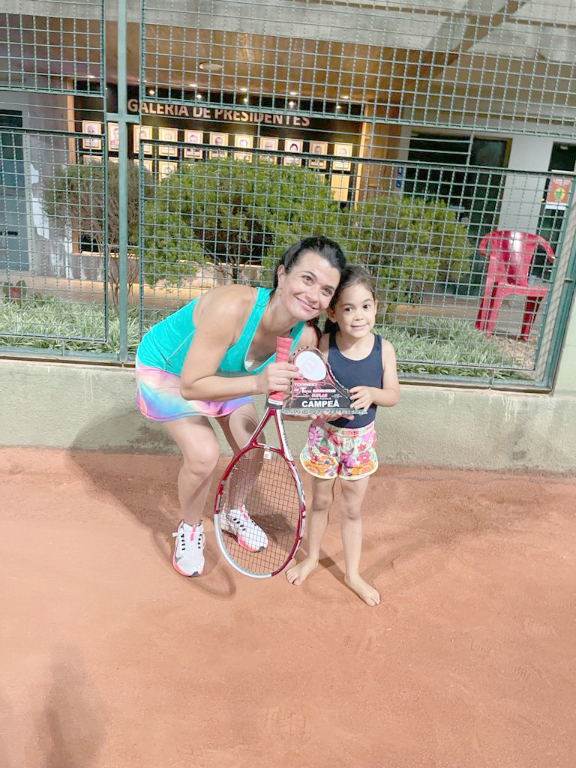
(283,347)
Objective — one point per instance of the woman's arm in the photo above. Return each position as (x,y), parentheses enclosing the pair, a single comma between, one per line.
(389,394)
(220,315)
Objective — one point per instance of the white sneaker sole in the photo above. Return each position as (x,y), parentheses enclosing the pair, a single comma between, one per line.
(243,543)
(183,573)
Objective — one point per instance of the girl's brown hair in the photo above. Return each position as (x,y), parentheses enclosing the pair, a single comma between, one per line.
(354,275)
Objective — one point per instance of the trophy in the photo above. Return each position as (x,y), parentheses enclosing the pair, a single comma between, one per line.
(317,391)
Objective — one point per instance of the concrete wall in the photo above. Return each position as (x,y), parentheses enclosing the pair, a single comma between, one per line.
(92,407)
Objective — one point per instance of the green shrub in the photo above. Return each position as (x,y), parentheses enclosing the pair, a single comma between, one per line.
(235,213)
(74,201)
(408,243)
(449,347)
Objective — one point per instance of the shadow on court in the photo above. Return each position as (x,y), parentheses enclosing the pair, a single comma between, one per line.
(109,659)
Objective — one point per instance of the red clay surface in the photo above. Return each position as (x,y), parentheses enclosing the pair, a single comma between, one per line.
(109,659)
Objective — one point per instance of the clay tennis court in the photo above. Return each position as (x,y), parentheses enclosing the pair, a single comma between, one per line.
(109,659)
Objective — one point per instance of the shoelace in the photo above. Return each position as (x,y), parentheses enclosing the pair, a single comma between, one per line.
(238,521)
(199,538)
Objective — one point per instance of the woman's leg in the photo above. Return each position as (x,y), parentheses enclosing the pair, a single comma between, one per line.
(200,451)
(353,492)
(239,426)
(317,520)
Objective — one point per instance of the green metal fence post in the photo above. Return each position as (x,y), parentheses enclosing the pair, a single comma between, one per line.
(123,179)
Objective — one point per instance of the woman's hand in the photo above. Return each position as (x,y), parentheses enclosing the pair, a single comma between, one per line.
(276,377)
(362,398)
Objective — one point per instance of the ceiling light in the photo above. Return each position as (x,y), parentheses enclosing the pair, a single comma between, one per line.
(246,100)
(151,91)
(293,93)
(344,97)
(192,85)
(210,66)
(244,90)
(338,106)
(291,103)
(199,96)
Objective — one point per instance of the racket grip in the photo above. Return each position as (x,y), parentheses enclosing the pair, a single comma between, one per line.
(283,347)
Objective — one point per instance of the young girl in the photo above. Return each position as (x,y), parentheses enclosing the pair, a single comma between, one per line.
(366,364)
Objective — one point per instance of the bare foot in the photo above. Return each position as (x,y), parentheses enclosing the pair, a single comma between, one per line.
(363,590)
(299,572)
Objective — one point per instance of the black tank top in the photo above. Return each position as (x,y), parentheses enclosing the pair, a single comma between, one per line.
(354,373)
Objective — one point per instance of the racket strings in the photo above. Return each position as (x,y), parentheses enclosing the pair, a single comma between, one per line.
(260,511)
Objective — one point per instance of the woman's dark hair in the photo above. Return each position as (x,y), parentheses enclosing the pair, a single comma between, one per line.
(323,246)
(354,275)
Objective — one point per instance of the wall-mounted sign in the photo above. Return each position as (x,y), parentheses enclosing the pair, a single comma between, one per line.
(271,144)
(558,193)
(243,142)
(342,150)
(165,168)
(193,137)
(168,134)
(218,140)
(318,148)
(95,130)
(217,113)
(142,132)
(113,137)
(293,146)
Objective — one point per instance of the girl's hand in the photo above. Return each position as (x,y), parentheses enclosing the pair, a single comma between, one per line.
(276,377)
(362,398)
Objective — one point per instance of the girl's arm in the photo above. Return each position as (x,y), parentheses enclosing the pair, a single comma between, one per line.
(220,315)
(386,396)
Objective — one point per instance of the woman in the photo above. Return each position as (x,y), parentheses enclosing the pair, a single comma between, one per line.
(211,357)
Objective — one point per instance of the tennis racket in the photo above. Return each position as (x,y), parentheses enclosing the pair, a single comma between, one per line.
(259,513)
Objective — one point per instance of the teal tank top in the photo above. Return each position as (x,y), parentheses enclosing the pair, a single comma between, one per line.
(166,344)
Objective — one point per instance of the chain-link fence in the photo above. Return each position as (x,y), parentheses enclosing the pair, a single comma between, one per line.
(435,143)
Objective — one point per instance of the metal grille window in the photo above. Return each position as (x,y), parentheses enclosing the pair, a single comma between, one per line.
(194,142)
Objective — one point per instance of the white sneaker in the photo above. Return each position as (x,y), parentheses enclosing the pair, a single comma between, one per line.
(189,546)
(249,535)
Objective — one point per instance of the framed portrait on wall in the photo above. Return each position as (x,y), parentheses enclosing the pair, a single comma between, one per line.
(243,141)
(168,134)
(95,133)
(342,150)
(293,146)
(318,148)
(269,143)
(218,140)
(148,165)
(113,137)
(165,168)
(89,159)
(340,184)
(141,133)
(193,137)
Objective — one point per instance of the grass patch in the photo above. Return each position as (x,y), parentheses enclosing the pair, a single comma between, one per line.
(449,347)
(433,346)
(63,323)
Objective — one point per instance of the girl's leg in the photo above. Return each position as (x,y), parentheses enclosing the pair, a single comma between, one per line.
(353,492)
(317,520)
(200,451)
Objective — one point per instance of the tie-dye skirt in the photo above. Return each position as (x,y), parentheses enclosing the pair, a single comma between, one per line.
(158,397)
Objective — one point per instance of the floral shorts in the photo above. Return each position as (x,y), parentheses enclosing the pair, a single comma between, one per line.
(336,451)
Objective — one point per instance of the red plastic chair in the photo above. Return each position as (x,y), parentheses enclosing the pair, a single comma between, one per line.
(510,255)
